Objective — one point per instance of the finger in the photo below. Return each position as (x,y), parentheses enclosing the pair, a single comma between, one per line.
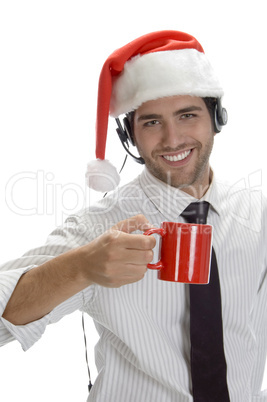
(131,274)
(136,241)
(137,257)
(141,242)
(138,222)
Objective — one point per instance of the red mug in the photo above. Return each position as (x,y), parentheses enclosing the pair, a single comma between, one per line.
(185,252)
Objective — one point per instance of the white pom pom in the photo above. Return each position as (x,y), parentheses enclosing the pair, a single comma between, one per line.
(102,176)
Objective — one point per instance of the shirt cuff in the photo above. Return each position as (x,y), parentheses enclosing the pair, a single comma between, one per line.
(30,333)
(8,282)
(27,334)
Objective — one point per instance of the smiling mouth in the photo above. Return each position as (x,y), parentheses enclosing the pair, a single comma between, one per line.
(179,157)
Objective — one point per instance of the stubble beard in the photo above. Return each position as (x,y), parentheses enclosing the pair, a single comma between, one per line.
(177,177)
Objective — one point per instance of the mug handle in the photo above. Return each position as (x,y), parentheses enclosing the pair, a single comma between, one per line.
(162,233)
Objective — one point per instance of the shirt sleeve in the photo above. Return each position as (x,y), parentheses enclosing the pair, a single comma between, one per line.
(28,334)
(60,241)
(8,282)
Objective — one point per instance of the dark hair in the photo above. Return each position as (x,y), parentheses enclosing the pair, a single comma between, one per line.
(209,102)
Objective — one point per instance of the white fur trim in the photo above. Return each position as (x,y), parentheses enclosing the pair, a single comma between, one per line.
(102,176)
(161,74)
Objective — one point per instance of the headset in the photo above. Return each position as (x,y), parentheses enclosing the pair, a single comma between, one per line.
(219,116)
(126,137)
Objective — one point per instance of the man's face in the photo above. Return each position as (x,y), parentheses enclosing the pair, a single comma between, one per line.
(174,136)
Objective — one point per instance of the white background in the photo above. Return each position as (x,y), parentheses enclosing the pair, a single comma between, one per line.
(51,53)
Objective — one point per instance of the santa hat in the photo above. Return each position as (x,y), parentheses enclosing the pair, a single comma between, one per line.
(156,65)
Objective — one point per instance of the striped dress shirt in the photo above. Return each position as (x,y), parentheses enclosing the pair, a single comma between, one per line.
(143,353)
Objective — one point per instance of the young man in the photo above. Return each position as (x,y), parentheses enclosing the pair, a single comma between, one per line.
(147,349)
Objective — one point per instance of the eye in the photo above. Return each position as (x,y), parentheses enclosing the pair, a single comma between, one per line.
(187,116)
(151,123)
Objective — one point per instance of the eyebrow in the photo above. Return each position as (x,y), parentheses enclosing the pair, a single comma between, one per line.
(176,113)
(188,110)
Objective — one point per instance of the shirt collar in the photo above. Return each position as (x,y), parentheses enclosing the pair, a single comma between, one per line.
(213,196)
(171,201)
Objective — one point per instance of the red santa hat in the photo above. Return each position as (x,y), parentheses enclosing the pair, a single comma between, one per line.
(156,65)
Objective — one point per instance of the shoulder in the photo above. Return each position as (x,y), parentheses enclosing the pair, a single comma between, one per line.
(244,203)
(241,194)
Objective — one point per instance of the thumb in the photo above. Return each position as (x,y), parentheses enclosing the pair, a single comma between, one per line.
(138,222)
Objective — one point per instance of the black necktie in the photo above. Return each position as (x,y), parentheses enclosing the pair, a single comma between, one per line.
(208,365)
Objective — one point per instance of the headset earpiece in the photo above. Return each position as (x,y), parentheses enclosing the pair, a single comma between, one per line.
(128,130)
(126,137)
(220,116)
(125,131)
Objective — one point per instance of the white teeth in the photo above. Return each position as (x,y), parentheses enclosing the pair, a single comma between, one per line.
(176,158)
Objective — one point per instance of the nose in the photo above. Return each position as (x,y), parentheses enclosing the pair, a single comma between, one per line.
(172,135)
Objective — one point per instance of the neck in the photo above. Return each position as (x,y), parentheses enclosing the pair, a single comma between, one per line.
(197,190)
